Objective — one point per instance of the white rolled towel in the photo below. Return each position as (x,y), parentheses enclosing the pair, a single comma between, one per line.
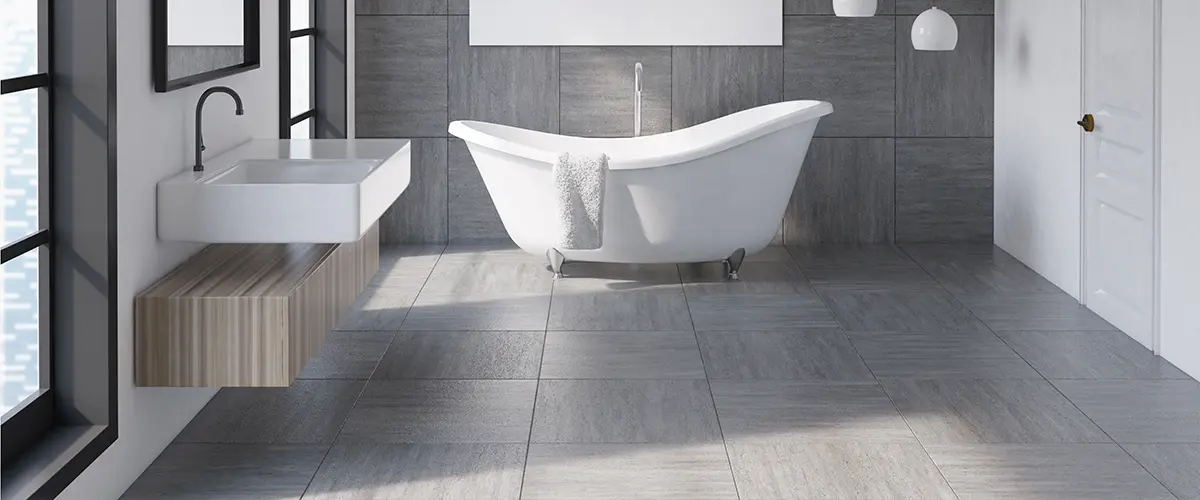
(580,182)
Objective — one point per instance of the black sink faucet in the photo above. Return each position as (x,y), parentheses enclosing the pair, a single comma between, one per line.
(237,99)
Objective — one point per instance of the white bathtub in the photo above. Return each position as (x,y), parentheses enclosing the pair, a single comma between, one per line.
(691,195)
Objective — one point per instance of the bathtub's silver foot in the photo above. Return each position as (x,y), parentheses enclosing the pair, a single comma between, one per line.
(734,263)
(556,260)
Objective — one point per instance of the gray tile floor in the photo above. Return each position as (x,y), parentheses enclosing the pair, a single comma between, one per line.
(861,372)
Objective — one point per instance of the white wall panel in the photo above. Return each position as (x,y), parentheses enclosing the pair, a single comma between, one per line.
(627,22)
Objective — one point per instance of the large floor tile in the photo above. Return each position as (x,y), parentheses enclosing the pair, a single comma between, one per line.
(443,411)
(940,355)
(929,345)
(848,256)
(490,251)
(974,268)
(1026,311)
(932,368)
(406,266)
(628,472)
(958,411)
(860,266)
(379,309)
(812,355)
(433,311)
(899,310)
(638,309)
(1175,465)
(753,278)
(307,412)
(462,355)
(1045,472)
(188,471)
(1099,355)
(372,470)
(774,253)
(776,412)
(841,471)
(625,411)
(600,277)
(347,355)
(489,278)
(758,312)
(1140,411)
(621,355)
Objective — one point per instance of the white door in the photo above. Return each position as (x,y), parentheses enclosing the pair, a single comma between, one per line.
(1118,163)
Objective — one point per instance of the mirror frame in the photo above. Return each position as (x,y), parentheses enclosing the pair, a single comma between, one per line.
(251,17)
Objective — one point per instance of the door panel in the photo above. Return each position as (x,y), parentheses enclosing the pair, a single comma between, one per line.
(1119,163)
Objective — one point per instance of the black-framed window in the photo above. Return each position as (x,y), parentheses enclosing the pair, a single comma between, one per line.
(297,85)
(25,215)
(58,170)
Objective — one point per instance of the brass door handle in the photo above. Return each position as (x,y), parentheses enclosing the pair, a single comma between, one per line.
(1088,123)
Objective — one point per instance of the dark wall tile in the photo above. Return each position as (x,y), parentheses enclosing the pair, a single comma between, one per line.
(459,6)
(845,193)
(515,86)
(711,82)
(421,215)
(944,190)
(392,7)
(946,94)
(849,62)
(400,88)
(950,6)
(597,90)
(473,216)
(825,7)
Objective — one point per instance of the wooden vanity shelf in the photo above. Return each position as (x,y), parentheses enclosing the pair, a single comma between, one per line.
(247,315)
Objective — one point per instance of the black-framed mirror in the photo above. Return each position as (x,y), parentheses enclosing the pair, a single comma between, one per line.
(195,41)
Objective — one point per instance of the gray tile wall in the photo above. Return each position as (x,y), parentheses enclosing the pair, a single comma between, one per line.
(907,155)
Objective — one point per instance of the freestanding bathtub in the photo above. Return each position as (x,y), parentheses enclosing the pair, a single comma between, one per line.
(699,194)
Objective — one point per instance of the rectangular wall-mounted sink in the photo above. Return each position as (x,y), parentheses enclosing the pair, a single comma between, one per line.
(295,172)
(286,191)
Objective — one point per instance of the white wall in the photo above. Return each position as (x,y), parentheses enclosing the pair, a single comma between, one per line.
(626,22)
(1180,197)
(155,141)
(205,22)
(1037,189)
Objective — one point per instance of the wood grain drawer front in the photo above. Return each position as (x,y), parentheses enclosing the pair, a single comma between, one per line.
(247,315)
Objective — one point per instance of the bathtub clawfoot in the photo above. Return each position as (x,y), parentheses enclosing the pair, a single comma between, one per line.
(556,260)
(734,263)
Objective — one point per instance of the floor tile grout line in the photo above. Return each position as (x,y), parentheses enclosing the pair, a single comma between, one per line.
(1039,372)
(333,442)
(367,382)
(708,382)
(536,388)
(896,407)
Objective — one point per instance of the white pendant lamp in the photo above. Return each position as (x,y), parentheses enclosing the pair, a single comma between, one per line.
(855,8)
(934,29)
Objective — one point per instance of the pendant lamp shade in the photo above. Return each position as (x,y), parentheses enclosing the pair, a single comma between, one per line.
(855,8)
(934,29)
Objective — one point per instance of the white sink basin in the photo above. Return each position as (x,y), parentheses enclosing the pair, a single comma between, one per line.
(273,191)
